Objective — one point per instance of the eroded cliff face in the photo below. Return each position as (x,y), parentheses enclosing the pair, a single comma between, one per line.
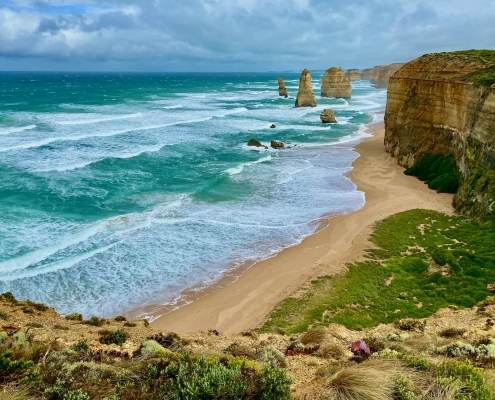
(366,74)
(353,75)
(433,108)
(384,74)
(336,84)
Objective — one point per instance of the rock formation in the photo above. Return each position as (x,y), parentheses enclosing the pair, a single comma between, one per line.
(353,75)
(445,104)
(254,143)
(335,84)
(282,90)
(375,72)
(328,116)
(276,145)
(366,76)
(305,96)
(273,126)
(385,73)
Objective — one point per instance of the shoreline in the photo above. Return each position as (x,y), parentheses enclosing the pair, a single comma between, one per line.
(249,298)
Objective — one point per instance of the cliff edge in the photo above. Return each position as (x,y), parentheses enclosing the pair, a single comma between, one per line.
(445,104)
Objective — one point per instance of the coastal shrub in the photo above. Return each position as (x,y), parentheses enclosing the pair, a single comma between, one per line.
(117,337)
(439,171)
(37,306)
(9,297)
(80,346)
(272,356)
(74,317)
(9,367)
(120,318)
(61,327)
(404,388)
(359,298)
(94,321)
(331,351)
(77,395)
(151,349)
(452,332)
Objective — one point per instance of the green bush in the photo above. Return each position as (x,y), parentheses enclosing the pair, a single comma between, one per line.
(74,317)
(81,346)
(117,337)
(94,321)
(9,367)
(274,357)
(439,171)
(77,395)
(404,388)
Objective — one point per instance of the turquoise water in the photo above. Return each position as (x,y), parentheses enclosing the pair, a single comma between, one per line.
(122,190)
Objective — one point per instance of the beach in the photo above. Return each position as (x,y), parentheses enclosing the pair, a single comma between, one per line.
(245,303)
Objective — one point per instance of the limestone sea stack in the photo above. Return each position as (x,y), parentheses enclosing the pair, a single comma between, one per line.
(305,96)
(353,75)
(374,74)
(366,76)
(282,90)
(335,84)
(328,116)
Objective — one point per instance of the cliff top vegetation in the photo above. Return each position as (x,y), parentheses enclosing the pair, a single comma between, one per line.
(483,77)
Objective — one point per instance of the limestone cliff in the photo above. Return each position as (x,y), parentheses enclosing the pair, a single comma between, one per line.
(366,74)
(353,75)
(335,84)
(282,90)
(445,104)
(305,96)
(384,74)
(375,71)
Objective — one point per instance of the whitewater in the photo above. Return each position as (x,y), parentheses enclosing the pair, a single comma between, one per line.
(120,191)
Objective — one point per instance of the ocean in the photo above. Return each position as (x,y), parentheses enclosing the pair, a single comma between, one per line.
(119,191)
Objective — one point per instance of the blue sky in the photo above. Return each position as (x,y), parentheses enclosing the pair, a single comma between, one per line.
(235,35)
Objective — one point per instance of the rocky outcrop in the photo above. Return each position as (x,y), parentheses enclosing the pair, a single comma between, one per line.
(282,90)
(273,126)
(445,104)
(305,96)
(328,116)
(375,72)
(366,76)
(254,143)
(384,74)
(276,145)
(335,84)
(353,75)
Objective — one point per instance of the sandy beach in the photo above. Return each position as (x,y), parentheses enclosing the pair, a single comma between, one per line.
(245,303)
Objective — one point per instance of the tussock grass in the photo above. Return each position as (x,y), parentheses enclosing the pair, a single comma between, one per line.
(313,336)
(332,351)
(14,392)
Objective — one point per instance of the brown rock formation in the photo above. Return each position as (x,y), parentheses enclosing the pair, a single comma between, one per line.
(366,74)
(328,116)
(276,145)
(282,90)
(305,96)
(254,143)
(384,74)
(375,72)
(435,107)
(353,75)
(335,84)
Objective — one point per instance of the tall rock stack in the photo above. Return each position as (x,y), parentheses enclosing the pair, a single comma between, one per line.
(353,75)
(366,74)
(385,73)
(305,96)
(282,90)
(335,84)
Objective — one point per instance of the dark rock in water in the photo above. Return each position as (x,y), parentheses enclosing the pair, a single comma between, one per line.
(273,126)
(255,143)
(276,145)
(328,116)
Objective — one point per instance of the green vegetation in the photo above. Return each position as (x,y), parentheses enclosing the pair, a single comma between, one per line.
(483,77)
(74,317)
(439,171)
(117,337)
(423,261)
(94,321)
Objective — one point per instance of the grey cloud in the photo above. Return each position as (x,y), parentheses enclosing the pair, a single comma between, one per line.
(239,34)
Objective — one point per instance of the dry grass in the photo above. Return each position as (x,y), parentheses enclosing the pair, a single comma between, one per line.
(313,336)
(331,350)
(372,381)
(443,392)
(13,392)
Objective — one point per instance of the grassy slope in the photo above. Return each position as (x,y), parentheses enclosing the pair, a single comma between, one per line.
(484,77)
(360,298)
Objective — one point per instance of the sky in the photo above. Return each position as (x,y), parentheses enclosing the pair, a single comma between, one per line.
(234,35)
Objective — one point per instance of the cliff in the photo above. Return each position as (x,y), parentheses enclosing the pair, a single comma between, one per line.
(375,72)
(282,90)
(335,84)
(353,75)
(305,95)
(384,74)
(445,104)
(366,74)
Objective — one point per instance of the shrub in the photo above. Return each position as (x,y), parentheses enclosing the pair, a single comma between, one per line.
(410,324)
(61,327)
(9,367)
(117,337)
(452,332)
(440,171)
(34,325)
(120,318)
(77,395)
(404,388)
(28,310)
(37,306)
(398,337)
(74,317)
(130,324)
(152,348)
(94,321)
(3,336)
(81,346)
(19,338)
(9,297)
(457,349)
(270,355)
(364,383)
(313,336)
(239,350)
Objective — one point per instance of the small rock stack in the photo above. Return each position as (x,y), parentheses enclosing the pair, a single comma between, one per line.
(282,90)
(305,96)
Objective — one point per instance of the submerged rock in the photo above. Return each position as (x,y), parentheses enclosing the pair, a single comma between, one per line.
(335,84)
(328,116)
(276,145)
(282,90)
(305,96)
(273,126)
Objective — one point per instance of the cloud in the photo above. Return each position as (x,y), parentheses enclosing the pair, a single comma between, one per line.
(236,35)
